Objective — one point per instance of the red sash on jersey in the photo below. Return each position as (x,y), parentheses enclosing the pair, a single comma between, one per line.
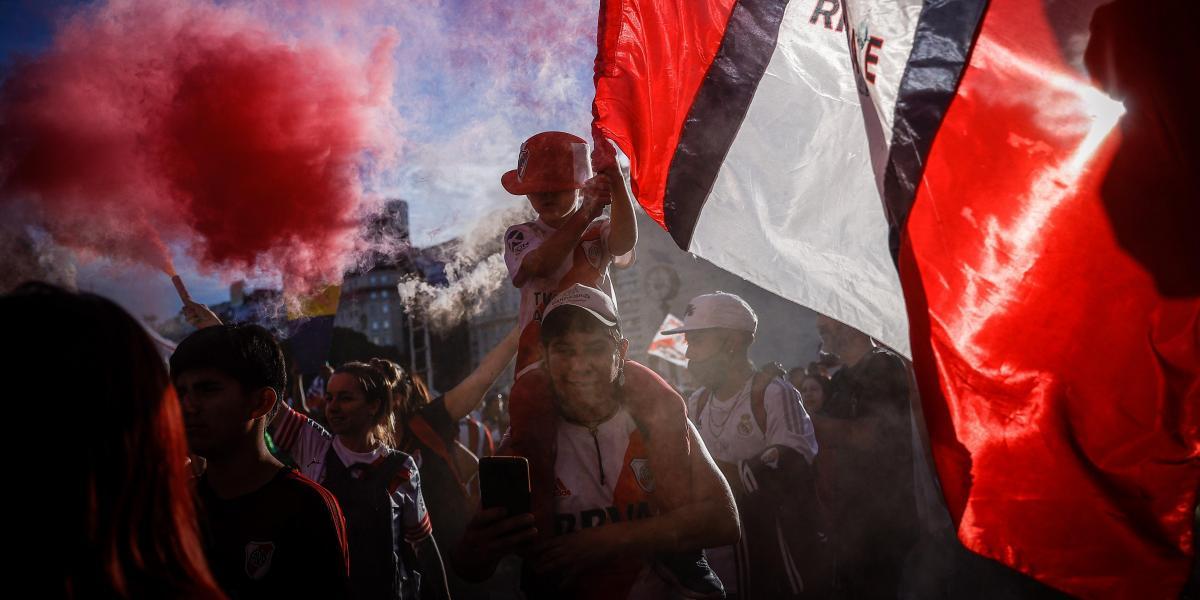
(425,433)
(479,439)
(630,499)
(662,437)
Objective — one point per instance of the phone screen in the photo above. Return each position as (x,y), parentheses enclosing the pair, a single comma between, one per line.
(504,481)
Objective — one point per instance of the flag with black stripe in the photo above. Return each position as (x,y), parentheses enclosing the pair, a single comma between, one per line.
(1004,191)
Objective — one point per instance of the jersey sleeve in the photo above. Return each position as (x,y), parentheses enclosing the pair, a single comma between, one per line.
(301,437)
(519,241)
(438,417)
(405,488)
(788,424)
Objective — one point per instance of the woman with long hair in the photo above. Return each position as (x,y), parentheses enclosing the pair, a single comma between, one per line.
(377,486)
(360,463)
(107,495)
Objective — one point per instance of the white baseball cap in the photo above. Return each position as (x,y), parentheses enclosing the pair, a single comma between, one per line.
(590,299)
(719,310)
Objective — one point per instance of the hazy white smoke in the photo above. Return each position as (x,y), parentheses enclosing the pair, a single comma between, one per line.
(30,255)
(471,81)
(475,270)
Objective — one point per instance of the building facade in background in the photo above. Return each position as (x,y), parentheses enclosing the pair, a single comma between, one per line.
(370,305)
(497,316)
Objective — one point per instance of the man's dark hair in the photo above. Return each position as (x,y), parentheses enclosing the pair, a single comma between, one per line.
(567,318)
(247,353)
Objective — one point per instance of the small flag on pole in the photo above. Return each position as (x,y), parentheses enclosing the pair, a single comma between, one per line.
(671,348)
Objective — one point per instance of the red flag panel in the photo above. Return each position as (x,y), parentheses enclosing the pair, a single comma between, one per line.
(1059,367)
(652,58)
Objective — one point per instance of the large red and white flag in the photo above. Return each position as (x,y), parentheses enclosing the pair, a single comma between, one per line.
(1030,167)
(743,126)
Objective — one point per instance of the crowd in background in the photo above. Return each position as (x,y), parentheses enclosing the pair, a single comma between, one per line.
(225,474)
(306,431)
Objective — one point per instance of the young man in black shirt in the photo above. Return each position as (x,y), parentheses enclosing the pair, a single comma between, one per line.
(270,532)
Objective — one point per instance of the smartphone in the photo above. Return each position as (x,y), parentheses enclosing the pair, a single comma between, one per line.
(504,481)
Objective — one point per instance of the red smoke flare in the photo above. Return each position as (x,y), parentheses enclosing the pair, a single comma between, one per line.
(187,122)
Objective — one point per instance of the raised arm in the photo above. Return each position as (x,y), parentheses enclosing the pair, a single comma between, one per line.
(464,397)
(542,261)
(623,235)
(298,435)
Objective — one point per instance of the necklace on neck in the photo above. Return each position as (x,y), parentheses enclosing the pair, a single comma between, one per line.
(719,428)
(593,427)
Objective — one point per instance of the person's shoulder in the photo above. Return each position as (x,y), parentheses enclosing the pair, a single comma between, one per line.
(402,458)
(779,386)
(637,374)
(649,398)
(642,381)
(518,237)
(524,226)
(881,360)
(305,493)
(321,431)
(402,470)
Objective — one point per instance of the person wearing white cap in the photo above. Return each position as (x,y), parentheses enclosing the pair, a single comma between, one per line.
(761,437)
(614,527)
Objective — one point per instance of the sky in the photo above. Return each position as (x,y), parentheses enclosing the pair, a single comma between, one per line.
(471,79)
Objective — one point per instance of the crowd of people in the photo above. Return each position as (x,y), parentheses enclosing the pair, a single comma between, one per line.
(218,476)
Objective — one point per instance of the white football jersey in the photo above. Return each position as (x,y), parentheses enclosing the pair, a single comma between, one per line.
(584,498)
(732,435)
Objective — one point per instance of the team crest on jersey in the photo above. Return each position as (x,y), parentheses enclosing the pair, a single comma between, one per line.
(592,251)
(643,474)
(516,241)
(258,559)
(744,428)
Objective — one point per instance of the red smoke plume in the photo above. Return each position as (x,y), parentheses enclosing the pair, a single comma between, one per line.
(182,121)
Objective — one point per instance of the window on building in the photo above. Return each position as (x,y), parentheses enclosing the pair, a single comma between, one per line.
(387,324)
(385,307)
(372,295)
(374,325)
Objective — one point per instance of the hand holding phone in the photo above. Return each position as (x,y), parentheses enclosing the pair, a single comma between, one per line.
(504,483)
(504,525)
